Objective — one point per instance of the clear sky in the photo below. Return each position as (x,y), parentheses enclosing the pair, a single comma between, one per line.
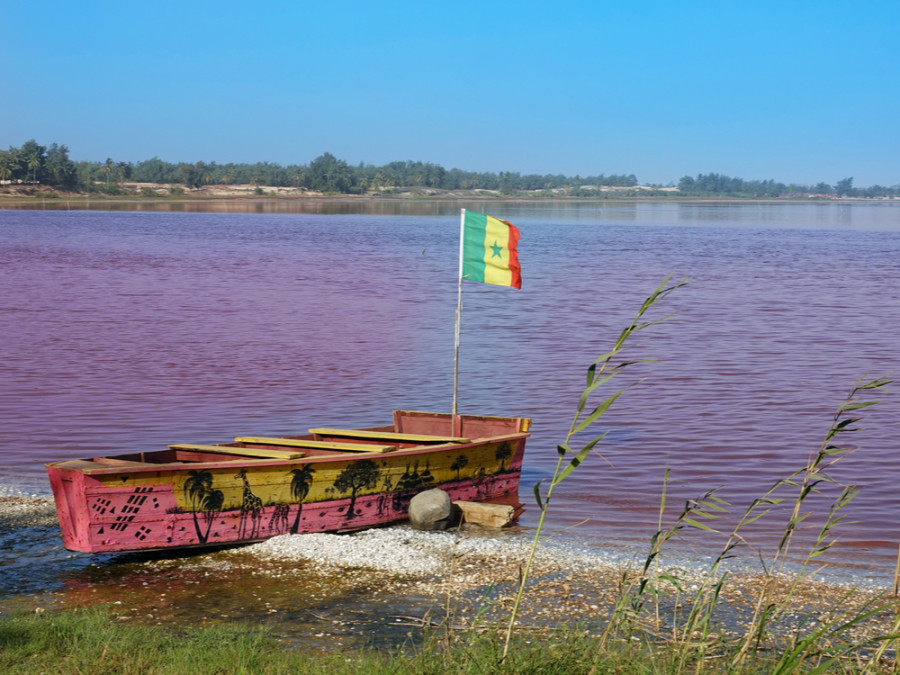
(794,90)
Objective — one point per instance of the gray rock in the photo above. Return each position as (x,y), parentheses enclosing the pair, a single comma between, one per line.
(433,510)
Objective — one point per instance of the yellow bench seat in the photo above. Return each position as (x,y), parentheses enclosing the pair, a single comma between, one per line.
(387,436)
(265,453)
(316,445)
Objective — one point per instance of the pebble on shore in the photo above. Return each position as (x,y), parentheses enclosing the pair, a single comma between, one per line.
(18,511)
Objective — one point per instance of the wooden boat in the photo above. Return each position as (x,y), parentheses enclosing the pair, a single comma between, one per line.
(257,487)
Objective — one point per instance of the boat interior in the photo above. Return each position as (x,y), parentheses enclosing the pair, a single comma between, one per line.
(322,442)
(410,430)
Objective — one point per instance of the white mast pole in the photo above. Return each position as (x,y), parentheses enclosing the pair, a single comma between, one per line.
(462,231)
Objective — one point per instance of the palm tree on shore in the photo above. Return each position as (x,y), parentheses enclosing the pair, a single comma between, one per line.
(34,163)
(107,168)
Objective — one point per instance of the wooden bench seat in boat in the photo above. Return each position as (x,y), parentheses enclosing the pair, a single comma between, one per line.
(387,436)
(266,453)
(316,445)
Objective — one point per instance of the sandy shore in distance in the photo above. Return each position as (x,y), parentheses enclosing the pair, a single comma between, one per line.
(12,193)
(151,191)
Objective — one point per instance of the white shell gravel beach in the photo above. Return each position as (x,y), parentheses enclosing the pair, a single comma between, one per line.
(33,511)
(404,551)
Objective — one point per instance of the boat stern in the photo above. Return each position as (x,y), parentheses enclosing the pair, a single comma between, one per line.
(71,507)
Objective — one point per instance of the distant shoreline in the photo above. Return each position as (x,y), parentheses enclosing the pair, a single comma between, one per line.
(28,196)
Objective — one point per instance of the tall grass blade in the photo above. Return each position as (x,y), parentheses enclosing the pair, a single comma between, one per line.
(599,372)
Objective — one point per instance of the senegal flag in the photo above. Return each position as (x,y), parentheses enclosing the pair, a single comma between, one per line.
(489,250)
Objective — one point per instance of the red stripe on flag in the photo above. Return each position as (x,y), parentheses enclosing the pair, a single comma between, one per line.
(514,234)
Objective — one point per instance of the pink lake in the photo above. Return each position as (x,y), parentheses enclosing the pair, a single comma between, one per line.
(128,331)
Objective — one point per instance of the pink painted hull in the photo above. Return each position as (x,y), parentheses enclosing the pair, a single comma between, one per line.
(120,504)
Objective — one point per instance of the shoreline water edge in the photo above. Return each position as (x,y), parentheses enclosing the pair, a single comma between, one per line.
(375,588)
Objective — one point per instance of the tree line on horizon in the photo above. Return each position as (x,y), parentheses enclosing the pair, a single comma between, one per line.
(37,164)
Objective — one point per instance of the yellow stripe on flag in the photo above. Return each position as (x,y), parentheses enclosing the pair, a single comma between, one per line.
(496,253)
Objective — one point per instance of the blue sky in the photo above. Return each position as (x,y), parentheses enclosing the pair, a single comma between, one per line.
(793,90)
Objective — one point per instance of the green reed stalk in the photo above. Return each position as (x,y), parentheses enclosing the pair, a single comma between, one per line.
(807,482)
(895,642)
(632,597)
(825,643)
(599,373)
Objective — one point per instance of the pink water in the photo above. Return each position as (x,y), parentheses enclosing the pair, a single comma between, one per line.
(127,331)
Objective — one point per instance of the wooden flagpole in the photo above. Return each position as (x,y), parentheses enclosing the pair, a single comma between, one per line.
(462,231)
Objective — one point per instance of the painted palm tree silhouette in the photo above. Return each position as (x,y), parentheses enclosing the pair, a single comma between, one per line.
(203,499)
(301,479)
(458,464)
(503,453)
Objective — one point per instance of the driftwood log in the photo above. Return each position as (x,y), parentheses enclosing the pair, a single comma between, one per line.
(487,515)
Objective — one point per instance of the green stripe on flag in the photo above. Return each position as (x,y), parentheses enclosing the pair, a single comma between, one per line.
(473,246)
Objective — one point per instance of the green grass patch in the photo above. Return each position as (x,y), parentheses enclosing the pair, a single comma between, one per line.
(98,642)
(94,641)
